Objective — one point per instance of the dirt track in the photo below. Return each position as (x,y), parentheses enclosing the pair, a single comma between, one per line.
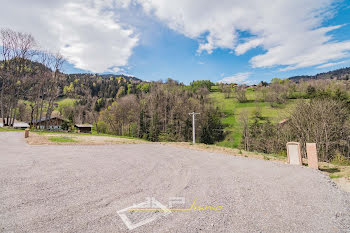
(82,188)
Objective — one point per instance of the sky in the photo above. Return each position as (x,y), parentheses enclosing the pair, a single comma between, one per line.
(223,41)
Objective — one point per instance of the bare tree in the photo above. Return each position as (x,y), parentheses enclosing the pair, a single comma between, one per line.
(240,92)
(53,88)
(17,50)
(226,89)
(244,120)
(323,121)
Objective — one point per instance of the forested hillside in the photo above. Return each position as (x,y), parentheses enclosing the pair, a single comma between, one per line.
(340,74)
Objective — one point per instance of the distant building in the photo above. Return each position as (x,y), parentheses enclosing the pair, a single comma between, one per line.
(83,128)
(20,125)
(16,124)
(52,123)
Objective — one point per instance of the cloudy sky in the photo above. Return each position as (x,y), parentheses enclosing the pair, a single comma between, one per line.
(227,40)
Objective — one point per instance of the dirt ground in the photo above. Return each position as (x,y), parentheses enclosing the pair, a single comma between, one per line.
(83,139)
(80,188)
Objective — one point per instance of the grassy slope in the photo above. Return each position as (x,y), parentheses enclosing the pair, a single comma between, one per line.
(232,110)
(65,101)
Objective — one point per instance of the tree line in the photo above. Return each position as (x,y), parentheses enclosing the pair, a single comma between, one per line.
(32,82)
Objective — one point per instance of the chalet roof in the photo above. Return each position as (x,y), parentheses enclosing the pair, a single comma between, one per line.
(44,119)
(83,126)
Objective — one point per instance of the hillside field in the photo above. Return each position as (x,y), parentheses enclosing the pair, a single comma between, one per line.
(232,109)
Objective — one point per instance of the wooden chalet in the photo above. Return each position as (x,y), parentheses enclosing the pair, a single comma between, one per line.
(51,123)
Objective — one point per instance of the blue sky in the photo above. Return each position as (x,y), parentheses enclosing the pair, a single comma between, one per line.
(190,40)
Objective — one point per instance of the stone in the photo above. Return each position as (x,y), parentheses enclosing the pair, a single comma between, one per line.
(294,154)
(311,152)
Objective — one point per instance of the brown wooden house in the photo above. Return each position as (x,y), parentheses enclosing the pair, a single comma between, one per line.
(52,123)
(83,128)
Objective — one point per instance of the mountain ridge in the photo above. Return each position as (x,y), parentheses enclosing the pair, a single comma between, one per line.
(338,74)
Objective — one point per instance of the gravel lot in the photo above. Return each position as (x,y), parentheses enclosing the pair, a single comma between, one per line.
(83,188)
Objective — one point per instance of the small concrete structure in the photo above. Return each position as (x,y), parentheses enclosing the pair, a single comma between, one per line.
(312,155)
(294,153)
(83,128)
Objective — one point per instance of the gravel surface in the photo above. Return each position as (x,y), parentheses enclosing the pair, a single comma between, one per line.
(88,188)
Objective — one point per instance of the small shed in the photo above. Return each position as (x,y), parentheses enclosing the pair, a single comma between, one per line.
(20,125)
(83,128)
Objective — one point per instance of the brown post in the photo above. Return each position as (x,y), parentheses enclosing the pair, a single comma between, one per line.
(312,159)
(26,133)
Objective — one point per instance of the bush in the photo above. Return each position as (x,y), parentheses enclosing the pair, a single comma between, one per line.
(340,160)
(101,127)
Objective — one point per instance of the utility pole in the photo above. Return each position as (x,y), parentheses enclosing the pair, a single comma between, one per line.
(193,126)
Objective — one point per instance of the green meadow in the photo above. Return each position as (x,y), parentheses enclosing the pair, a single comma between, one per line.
(232,109)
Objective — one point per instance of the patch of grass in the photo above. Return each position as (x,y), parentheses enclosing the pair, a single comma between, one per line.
(62,139)
(336,176)
(9,129)
(65,102)
(43,132)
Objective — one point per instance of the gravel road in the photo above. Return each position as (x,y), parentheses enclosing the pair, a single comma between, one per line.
(91,188)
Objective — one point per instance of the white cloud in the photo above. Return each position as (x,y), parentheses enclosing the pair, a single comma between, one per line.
(250,44)
(332,64)
(289,32)
(88,33)
(239,78)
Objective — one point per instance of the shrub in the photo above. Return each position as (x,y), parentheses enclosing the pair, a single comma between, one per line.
(340,160)
(101,127)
